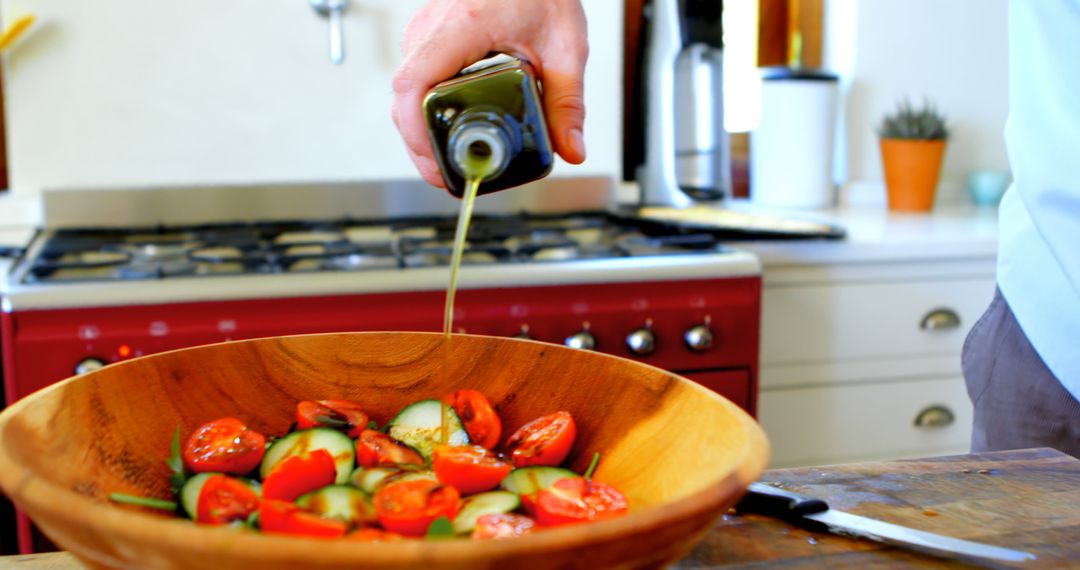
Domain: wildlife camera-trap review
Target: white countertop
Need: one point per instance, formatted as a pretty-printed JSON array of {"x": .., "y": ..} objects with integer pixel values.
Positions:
[
  {"x": 12, "y": 237},
  {"x": 15, "y": 236},
  {"x": 876, "y": 235},
  {"x": 20, "y": 209}
]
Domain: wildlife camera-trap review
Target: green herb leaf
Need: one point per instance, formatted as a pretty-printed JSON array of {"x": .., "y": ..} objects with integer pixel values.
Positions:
[
  {"x": 176, "y": 464},
  {"x": 592, "y": 466},
  {"x": 253, "y": 520},
  {"x": 143, "y": 501},
  {"x": 440, "y": 529},
  {"x": 373, "y": 425}
]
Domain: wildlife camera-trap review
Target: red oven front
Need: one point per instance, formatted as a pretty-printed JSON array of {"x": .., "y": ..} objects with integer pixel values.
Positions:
[{"x": 46, "y": 345}]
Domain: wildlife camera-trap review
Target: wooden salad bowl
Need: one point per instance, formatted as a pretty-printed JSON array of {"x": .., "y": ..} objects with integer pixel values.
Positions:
[{"x": 681, "y": 453}]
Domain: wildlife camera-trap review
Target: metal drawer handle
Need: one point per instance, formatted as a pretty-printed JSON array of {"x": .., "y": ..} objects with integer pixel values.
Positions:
[
  {"x": 940, "y": 320},
  {"x": 935, "y": 417}
]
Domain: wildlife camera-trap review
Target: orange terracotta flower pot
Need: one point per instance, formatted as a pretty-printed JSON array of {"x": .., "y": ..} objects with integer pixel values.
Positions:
[{"x": 912, "y": 168}]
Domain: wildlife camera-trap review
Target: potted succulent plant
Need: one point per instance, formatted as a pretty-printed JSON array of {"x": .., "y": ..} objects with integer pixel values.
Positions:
[{"x": 912, "y": 147}]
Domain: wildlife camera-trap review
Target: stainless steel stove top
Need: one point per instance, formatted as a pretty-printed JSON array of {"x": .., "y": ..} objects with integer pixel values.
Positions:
[{"x": 96, "y": 255}]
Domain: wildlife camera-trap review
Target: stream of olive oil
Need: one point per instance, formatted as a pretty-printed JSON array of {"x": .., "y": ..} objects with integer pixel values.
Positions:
[
  {"x": 477, "y": 167},
  {"x": 476, "y": 170},
  {"x": 462, "y": 232}
]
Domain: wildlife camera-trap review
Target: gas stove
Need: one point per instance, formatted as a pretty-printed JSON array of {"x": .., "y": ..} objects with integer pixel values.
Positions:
[
  {"x": 83, "y": 297},
  {"x": 86, "y": 267},
  {"x": 88, "y": 255}
]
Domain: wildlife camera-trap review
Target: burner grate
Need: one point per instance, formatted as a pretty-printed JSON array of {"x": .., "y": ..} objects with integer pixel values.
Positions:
[{"x": 349, "y": 245}]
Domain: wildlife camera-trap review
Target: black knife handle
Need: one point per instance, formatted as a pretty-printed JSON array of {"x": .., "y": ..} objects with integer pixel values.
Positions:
[{"x": 774, "y": 502}]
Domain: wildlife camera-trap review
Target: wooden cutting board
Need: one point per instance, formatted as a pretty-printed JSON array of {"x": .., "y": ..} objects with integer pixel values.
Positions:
[{"x": 1026, "y": 499}]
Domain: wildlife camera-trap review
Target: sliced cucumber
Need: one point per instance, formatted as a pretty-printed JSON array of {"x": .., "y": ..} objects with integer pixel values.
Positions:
[
  {"x": 421, "y": 426},
  {"x": 189, "y": 494},
  {"x": 370, "y": 479},
  {"x": 340, "y": 447},
  {"x": 482, "y": 504},
  {"x": 342, "y": 502},
  {"x": 411, "y": 476},
  {"x": 528, "y": 480},
  {"x": 367, "y": 479}
]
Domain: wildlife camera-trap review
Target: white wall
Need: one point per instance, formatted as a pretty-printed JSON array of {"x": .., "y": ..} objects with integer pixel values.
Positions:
[
  {"x": 129, "y": 93},
  {"x": 952, "y": 51}
]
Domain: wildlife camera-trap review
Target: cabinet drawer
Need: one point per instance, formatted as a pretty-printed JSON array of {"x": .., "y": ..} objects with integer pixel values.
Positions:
[
  {"x": 813, "y": 426},
  {"x": 869, "y": 320}
]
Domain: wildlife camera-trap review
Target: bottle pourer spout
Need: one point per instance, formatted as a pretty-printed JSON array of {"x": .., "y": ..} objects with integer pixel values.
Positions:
[{"x": 480, "y": 149}]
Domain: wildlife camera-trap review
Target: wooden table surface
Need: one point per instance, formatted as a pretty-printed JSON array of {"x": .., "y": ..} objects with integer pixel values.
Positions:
[{"x": 1026, "y": 499}]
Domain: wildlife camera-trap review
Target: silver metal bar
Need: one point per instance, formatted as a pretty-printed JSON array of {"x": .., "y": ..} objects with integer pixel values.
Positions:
[
  {"x": 337, "y": 43},
  {"x": 333, "y": 10}
]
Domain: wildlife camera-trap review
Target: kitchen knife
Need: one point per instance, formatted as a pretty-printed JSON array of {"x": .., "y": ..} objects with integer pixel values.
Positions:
[{"x": 815, "y": 515}]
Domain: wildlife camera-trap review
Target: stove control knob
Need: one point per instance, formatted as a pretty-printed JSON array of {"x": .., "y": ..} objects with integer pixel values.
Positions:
[
  {"x": 88, "y": 365},
  {"x": 583, "y": 340},
  {"x": 641, "y": 342},
  {"x": 699, "y": 338}
]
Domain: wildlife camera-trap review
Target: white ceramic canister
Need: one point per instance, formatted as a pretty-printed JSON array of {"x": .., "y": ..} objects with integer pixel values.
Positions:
[{"x": 791, "y": 151}]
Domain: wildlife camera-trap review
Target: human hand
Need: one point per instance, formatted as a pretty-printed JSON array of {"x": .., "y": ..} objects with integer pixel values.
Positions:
[{"x": 447, "y": 35}]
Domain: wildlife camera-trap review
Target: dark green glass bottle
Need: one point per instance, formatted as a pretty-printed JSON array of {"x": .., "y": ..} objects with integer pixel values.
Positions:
[{"x": 489, "y": 115}]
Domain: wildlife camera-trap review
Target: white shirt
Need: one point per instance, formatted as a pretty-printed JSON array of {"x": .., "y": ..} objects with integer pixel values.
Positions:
[{"x": 1039, "y": 255}]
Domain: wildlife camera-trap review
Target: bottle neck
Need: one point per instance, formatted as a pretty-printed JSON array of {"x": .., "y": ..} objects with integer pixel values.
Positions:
[{"x": 479, "y": 148}]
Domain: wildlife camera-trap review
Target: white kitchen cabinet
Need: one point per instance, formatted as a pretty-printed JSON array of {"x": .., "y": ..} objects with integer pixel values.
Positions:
[
  {"x": 868, "y": 420},
  {"x": 851, "y": 321},
  {"x": 861, "y": 338}
]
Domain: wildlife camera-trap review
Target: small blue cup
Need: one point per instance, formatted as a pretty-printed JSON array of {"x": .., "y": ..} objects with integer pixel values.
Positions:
[{"x": 988, "y": 186}]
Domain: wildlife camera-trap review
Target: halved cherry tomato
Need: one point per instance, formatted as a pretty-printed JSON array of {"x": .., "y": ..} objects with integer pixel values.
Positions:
[
  {"x": 300, "y": 474},
  {"x": 468, "y": 468},
  {"x": 374, "y": 449},
  {"x": 282, "y": 517},
  {"x": 341, "y": 415},
  {"x": 544, "y": 441},
  {"x": 476, "y": 412},
  {"x": 224, "y": 499},
  {"x": 373, "y": 535},
  {"x": 528, "y": 503},
  {"x": 502, "y": 525},
  {"x": 225, "y": 445},
  {"x": 576, "y": 499},
  {"x": 409, "y": 507}
]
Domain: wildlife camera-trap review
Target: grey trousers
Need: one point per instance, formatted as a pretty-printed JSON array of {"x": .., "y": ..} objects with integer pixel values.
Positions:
[{"x": 1018, "y": 401}]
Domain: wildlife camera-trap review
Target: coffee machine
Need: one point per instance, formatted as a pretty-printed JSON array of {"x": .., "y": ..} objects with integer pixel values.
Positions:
[{"x": 679, "y": 152}]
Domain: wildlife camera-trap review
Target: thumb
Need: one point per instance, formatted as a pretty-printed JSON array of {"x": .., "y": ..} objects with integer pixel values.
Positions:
[{"x": 564, "y": 101}]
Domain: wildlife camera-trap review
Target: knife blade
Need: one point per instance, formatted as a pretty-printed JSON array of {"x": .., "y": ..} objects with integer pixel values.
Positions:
[{"x": 815, "y": 515}]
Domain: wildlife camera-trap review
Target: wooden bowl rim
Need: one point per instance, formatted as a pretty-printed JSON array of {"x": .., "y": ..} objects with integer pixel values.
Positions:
[{"x": 132, "y": 525}]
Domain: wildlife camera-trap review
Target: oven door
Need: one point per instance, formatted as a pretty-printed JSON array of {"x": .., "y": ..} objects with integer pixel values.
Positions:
[
  {"x": 8, "y": 539},
  {"x": 735, "y": 384}
]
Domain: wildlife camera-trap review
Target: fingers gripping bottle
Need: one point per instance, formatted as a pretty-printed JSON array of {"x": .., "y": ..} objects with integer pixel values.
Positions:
[{"x": 488, "y": 123}]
